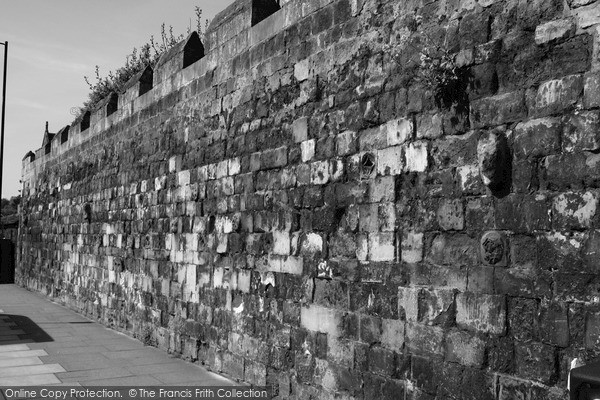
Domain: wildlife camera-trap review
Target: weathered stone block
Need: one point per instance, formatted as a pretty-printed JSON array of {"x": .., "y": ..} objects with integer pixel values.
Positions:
[
  {"x": 591, "y": 91},
  {"x": 372, "y": 139},
  {"x": 398, "y": 131},
  {"x": 582, "y": 132},
  {"x": 300, "y": 129},
  {"x": 390, "y": 161},
  {"x": 408, "y": 303},
  {"x": 319, "y": 172},
  {"x": 554, "y": 324},
  {"x": 574, "y": 210},
  {"x": 424, "y": 340},
  {"x": 381, "y": 189},
  {"x": 362, "y": 247},
  {"x": 521, "y": 213},
  {"x": 273, "y": 158},
  {"x": 392, "y": 335},
  {"x": 481, "y": 280},
  {"x": 175, "y": 163},
  {"x": 465, "y": 349},
  {"x": 416, "y": 155},
  {"x": 481, "y": 312},
  {"x": 382, "y": 246},
  {"x": 522, "y": 318},
  {"x": 513, "y": 388},
  {"x": 560, "y": 252},
  {"x": 557, "y": 95},
  {"x": 346, "y": 143},
  {"x": 592, "y": 330},
  {"x": 368, "y": 217},
  {"x": 474, "y": 29},
  {"x": 456, "y": 249},
  {"x": 484, "y": 81},
  {"x": 381, "y": 361},
  {"x": 554, "y": 30},
  {"x": 320, "y": 319},
  {"x": 411, "y": 247},
  {"x": 325, "y": 147},
  {"x": 450, "y": 215},
  {"x": 370, "y": 329},
  {"x": 292, "y": 265},
  {"x": 386, "y": 217},
  {"x": 537, "y": 138},
  {"x": 587, "y": 15},
  {"x": 233, "y": 365},
  {"x": 535, "y": 12},
  {"x": 535, "y": 361},
  {"x": 255, "y": 373},
  {"x": 436, "y": 307},
  {"x": 308, "y": 150},
  {"x": 281, "y": 242},
  {"x": 302, "y": 70},
  {"x": 469, "y": 180},
  {"x": 425, "y": 375},
  {"x": 497, "y": 110},
  {"x": 333, "y": 294},
  {"x": 430, "y": 126},
  {"x": 566, "y": 171},
  {"x": 455, "y": 150}
]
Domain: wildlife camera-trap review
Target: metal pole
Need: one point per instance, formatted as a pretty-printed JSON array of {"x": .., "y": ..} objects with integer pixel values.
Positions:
[{"x": 2, "y": 126}]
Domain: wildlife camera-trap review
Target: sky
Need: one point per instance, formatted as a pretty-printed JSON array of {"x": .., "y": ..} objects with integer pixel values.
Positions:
[{"x": 52, "y": 45}]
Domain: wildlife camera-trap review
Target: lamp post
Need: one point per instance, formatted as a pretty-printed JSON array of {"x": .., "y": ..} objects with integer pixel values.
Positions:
[{"x": 5, "y": 44}]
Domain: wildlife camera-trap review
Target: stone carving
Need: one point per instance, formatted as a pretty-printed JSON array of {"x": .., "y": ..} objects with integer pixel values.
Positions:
[{"x": 493, "y": 248}]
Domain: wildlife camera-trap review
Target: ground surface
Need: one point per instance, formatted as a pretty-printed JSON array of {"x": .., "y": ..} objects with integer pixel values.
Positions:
[{"x": 44, "y": 343}]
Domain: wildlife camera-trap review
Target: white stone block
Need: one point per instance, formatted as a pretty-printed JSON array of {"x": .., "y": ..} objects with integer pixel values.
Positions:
[
  {"x": 308, "y": 150},
  {"x": 320, "y": 319},
  {"x": 281, "y": 242},
  {"x": 389, "y": 161},
  {"x": 554, "y": 30},
  {"x": 416, "y": 157},
  {"x": 412, "y": 247},
  {"x": 302, "y": 70},
  {"x": 381, "y": 246},
  {"x": 319, "y": 172}
]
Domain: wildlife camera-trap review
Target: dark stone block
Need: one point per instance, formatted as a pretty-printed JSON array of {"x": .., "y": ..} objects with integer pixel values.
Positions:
[
  {"x": 322, "y": 20},
  {"x": 564, "y": 171},
  {"x": 381, "y": 361},
  {"x": 425, "y": 374},
  {"x": 520, "y": 213},
  {"x": 333, "y": 294},
  {"x": 522, "y": 318},
  {"x": 501, "y": 354},
  {"x": 536, "y": 361},
  {"x": 474, "y": 29},
  {"x": 370, "y": 329}
]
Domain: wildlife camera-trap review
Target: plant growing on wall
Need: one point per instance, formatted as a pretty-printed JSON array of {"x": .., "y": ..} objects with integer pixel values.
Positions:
[
  {"x": 148, "y": 54},
  {"x": 436, "y": 68}
]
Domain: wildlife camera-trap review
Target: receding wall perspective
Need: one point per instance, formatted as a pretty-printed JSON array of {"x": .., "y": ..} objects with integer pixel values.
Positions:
[{"x": 349, "y": 199}]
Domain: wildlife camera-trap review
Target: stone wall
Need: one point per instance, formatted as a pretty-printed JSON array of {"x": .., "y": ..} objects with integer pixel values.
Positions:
[{"x": 349, "y": 199}]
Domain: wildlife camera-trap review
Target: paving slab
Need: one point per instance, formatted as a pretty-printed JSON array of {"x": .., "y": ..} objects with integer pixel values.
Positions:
[
  {"x": 29, "y": 370},
  {"x": 13, "y": 347},
  {"x": 29, "y": 380},
  {"x": 52, "y": 345},
  {"x": 22, "y": 353},
  {"x": 17, "y": 362}
]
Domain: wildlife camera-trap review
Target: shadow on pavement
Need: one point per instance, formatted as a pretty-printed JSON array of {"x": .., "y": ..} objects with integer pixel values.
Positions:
[{"x": 15, "y": 329}]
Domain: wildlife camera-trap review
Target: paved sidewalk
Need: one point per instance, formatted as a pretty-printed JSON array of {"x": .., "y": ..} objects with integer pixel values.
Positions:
[{"x": 43, "y": 343}]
